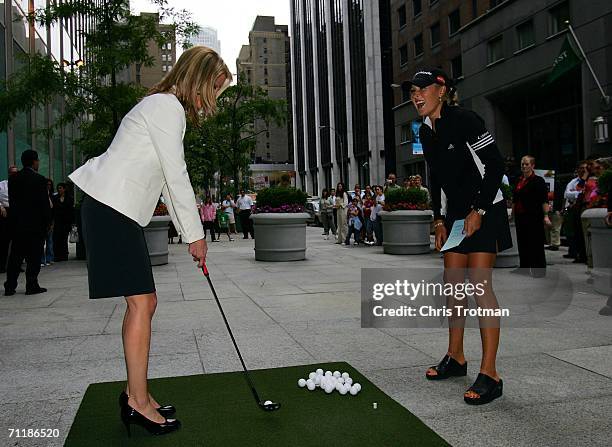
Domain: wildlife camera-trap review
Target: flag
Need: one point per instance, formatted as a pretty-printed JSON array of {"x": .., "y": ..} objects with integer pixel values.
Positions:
[{"x": 565, "y": 61}]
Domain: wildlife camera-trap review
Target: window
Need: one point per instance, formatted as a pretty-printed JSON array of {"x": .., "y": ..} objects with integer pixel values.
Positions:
[
  {"x": 405, "y": 134},
  {"x": 495, "y": 49},
  {"x": 265, "y": 40},
  {"x": 267, "y": 145},
  {"x": 268, "y": 155},
  {"x": 456, "y": 67},
  {"x": 525, "y": 35},
  {"x": 266, "y": 81},
  {"x": 163, "y": 58},
  {"x": 164, "y": 68},
  {"x": 265, "y": 60},
  {"x": 267, "y": 134},
  {"x": 403, "y": 55},
  {"x": 418, "y": 45},
  {"x": 417, "y": 8},
  {"x": 405, "y": 91},
  {"x": 454, "y": 22},
  {"x": 266, "y": 71},
  {"x": 435, "y": 34},
  {"x": 401, "y": 15},
  {"x": 265, "y": 50},
  {"x": 169, "y": 46},
  {"x": 558, "y": 18},
  {"x": 169, "y": 67}
]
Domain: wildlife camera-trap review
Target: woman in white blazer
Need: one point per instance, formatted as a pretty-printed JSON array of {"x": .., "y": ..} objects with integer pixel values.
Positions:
[{"x": 122, "y": 187}]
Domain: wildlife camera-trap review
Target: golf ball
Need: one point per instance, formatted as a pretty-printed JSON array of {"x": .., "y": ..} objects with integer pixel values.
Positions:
[
  {"x": 312, "y": 375},
  {"x": 268, "y": 402},
  {"x": 358, "y": 386},
  {"x": 310, "y": 385},
  {"x": 343, "y": 390},
  {"x": 301, "y": 383},
  {"x": 319, "y": 372},
  {"x": 339, "y": 386},
  {"x": 345, "y": 375},
  {"x": 328, "y": 373},
  {"x": 354, "y": 390},
  {"x": 341, "y": 380},
  {"x": 347, "y": 388},
  {"x": 348, "y": 381},
  {"x": 317, "y": 380},
  {"x": 329, "y": 389},
  {"x": 337, "y": 374}
]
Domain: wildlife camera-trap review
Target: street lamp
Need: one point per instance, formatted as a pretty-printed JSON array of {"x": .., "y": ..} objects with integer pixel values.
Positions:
[
  {"x": 601, "y": 129},
  {"x": 339, "y": 136},
  {"x": 78, "y": 63}
]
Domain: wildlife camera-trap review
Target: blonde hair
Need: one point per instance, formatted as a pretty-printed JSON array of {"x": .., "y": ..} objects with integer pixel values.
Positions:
[
  {"x": 194, "y": 75},
  {"x": 450, "y": 96}
]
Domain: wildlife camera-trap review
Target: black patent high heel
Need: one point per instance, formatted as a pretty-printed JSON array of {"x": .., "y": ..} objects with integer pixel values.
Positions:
[
  {"x": 165, "y": 410},
  {"x": 130, "y": 416}
]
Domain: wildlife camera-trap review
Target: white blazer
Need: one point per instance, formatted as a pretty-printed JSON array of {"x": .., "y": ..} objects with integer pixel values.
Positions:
[{"x": 146, "y": 159}]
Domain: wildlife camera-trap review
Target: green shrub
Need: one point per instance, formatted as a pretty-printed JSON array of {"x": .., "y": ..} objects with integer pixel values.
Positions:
[
  {"x": 604, "y": 182},
  {"x": 281, "y": 200},
  {"x": 405, "y": 199}
]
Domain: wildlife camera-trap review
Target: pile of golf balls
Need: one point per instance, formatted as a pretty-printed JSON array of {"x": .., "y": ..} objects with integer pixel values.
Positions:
[{"x": 330, "y": 381}]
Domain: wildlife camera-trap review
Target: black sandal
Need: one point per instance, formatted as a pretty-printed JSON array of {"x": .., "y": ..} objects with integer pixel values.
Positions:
[
  {"x": 487, "y": 389},
  {"x": 448, "y": 367}
]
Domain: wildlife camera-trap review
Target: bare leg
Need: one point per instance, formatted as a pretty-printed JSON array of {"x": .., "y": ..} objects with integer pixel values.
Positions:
[
  {"x": 454, "y": 272},
  {"x": 136, "y": 343},
  {"x": 480, "y": 270},
  {"x": 127, "y": 388}
]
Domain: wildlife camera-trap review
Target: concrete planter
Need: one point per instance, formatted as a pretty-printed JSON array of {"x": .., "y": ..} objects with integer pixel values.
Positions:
[
  {"x": 406, "y": 232},
  {"x": 510, "y": 257},
  {"x": 156, "y": 235},
  {"x": 601, "y": 247},
  {"x": 280, "y": 237}
]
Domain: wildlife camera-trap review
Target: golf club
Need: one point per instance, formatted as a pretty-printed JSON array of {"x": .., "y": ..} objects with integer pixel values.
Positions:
[{"x": 267, "y": 405}]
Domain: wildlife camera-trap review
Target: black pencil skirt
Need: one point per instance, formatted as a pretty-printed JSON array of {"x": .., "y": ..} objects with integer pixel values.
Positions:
[
  {"x": 118, "y": 261},
  {"x": 492, "y": 237}
]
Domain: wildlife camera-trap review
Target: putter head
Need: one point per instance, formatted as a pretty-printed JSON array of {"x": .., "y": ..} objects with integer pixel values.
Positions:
[{"x": 269, "y": 405}]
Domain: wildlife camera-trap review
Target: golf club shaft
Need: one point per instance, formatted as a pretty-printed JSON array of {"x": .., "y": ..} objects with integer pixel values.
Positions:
[{"x": 246, "y": 371}]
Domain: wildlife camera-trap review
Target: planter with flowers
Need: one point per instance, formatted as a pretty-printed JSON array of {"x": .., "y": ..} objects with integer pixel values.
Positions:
[
  {"x": 156, "y": 235},
  {"x": 601, "y": 235},
  {"x": 279, "y": 222},
  {"x": 406, "y": 221}
]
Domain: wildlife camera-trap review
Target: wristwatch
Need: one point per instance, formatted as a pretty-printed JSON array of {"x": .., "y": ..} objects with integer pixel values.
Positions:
[{"x": 480, "y": 211}]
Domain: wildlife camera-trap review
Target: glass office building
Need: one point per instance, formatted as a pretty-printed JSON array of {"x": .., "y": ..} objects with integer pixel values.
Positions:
[{"x": 62, "y": 41}]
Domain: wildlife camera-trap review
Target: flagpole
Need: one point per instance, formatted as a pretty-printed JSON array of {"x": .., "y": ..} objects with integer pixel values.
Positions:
[{"x": 586, "y": 59}]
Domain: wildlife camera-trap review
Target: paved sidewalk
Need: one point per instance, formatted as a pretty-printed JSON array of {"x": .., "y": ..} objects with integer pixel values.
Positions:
[{"x": 558, "y": 379}]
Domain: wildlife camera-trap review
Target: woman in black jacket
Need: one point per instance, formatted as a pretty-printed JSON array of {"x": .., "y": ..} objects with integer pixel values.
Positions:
[
  {"x": 466, "y": 166},
  {"x": 63, "y": 211},
  {"x": 531, "y": 216}
]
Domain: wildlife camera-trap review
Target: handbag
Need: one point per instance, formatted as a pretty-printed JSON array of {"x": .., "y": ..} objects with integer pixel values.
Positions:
[{"x": 73, "y": 237}]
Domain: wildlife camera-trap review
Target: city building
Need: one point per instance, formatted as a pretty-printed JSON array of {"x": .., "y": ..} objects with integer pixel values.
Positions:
[
  {"x": 265, "y": 63},
  {"x": 207, "y": 36},
  {"x": 508, "y": 55},
  {"x": 164, "y": 57},
  {"x": 341, "y": 87},
  {"x": 501, "y": 53},
  {"x": 64, "y": 42}
]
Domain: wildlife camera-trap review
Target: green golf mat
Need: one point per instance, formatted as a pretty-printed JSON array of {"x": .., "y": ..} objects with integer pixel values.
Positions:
[{"x": 219, "y": 410}]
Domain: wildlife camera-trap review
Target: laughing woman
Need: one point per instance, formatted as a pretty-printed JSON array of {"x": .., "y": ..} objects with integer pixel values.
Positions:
[
  {"x": 466, "y": 165},
  {"x": 122, "y": 187}
]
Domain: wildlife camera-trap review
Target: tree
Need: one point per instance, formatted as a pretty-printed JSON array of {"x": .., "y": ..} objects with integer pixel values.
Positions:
[
  {"x": 224, "y": 142},
  {"x": 93, "y": 91}
]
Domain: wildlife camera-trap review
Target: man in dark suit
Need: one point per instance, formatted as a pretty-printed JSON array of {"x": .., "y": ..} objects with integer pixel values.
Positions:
[{"x": 29, "y": 218}]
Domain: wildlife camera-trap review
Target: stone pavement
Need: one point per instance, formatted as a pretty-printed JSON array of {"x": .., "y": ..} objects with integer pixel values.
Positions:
[{"x": 558, "y": 378}]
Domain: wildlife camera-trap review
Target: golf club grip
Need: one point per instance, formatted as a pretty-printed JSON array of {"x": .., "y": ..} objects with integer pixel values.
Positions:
[{"x": 229, "y": 330}]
